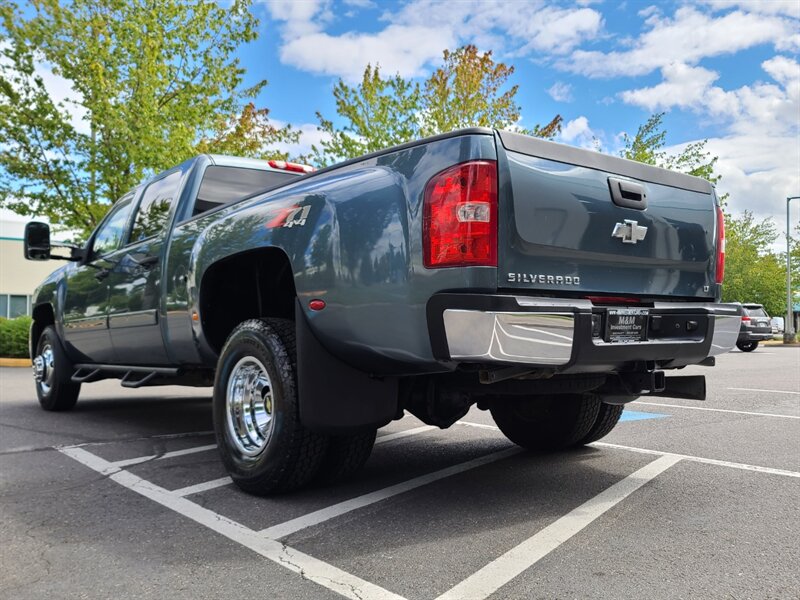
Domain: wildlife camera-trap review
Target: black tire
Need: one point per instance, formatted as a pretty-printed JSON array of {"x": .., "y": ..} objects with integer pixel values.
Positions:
[
  {"x": 546, "y": 423},
  {"x": 747, "y": 346},
  {"x": 289, "y": 455},
  {"x": 346, "y": 455},
  {"x": 607, "y": 418},
  {"x": 56, "y": 391}
]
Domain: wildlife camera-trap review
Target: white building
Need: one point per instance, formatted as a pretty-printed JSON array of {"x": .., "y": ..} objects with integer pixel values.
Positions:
[{"x": 18, "y": 277}]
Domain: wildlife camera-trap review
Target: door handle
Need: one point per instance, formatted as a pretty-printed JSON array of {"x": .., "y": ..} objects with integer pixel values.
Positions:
[
  {"x": 628, "y": 194},
  {"x": 102, "y": 274},
  {"x": 145, "y": 261}
]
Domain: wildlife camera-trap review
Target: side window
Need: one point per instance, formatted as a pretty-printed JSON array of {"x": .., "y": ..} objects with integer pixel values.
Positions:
[
  {"x": 154, "y": 207},
  {"x": 111, "y": 232},
  {"x": 223, "y": 185}
]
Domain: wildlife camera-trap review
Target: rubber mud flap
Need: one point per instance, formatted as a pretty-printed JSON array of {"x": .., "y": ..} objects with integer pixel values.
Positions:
[{"x": 336, "y": 398}]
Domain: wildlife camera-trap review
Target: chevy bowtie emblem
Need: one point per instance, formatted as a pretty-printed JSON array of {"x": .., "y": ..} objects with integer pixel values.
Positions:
[{"x": 629, "y": 232}]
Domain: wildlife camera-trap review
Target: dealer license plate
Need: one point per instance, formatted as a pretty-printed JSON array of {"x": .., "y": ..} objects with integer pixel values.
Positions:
[{"x": 626, "y": 324}]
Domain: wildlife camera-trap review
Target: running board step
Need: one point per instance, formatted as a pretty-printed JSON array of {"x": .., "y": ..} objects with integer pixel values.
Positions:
[{"x": 132, "y": 376}]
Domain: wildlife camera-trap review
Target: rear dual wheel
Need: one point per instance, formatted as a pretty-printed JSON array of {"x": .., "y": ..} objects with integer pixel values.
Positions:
[
  {"x": 263, "y": 444},
  {"x": 554, "y": 422}
]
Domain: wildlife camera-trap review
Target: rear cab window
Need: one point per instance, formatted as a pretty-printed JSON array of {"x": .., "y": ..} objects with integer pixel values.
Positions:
[{"x": 224, "y": 185}]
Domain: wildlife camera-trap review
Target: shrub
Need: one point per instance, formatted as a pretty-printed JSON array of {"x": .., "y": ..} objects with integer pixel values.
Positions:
[{"x": 14, "y": 337}]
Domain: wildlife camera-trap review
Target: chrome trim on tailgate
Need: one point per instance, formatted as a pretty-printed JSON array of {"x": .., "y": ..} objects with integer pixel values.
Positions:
[{"x": 528, "y": 338}]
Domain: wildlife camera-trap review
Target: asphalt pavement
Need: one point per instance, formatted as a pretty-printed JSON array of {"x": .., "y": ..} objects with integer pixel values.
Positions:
[{"x": 125, "y": 497}]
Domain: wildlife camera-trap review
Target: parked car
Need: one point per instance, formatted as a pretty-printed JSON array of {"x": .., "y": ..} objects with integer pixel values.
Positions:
[
  {"x": 777, "y": 324},
  {"x": 547, "y": 284},
  {"x": 756, "y": 327}
]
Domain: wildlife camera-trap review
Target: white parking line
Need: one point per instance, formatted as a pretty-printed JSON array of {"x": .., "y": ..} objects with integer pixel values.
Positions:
[
  {"x": 142, "y": 459},
  {"x": 500, "y": 571},
  {"x": 307, "y": 566},
  {"x": 401, "y": 434},
  {"x": 478, "y": 425},
  {"x": 159, "y": 436},
  {"x": 325, "y": 514},
  {"x": 724, "y": 410},
  {"x": 689, "y": 457},
  {"x": 762, "y": 390},
  {"x": 201, "y": 487},
  {"x": 700, "y": 459}
]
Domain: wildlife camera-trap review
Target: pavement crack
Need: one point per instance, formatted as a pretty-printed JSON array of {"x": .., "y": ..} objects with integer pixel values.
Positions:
[{"x": 285, "y": 557}]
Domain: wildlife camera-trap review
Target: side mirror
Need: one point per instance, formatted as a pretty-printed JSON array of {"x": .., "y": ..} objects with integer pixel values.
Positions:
[{"x": 37, "y": 241}]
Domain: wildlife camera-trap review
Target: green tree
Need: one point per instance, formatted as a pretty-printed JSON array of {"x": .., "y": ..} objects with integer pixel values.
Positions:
[
  {"x": 378, "y": 113},
  {"x": 469, "y": 89},
  {"x": 752, "y": 272},
  {"x": 647, "y": 146},
  {"x": 151, "y": 83}
]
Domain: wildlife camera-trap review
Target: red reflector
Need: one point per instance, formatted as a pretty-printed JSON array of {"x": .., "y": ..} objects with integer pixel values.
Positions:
[
  {"x": 720, "y": 267},
  {"x": 316, "y": 304},
  {"x": 459, "y": 224},
  {"x": 290, "y": 166},
  {"x": 613, "y": 300}
]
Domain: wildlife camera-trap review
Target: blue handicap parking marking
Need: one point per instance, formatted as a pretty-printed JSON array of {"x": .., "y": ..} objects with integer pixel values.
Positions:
[{"x": 634, "y": 415}]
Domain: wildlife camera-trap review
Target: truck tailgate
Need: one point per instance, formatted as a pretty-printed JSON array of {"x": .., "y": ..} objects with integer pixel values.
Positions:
[{"x": 573, "y": 220}]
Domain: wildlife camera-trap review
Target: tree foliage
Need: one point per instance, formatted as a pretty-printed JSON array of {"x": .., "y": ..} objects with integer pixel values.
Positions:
[
  {"x": 647, "y": 146},
  {"x": 469, "y": 89},
  {"x": 150, "y": 85},
  {"x": 752, "y": 272},
  {"x": 378, "y": 113}
]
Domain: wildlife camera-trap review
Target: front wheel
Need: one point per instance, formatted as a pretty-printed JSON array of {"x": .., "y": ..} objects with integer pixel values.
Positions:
[
  {"x": 747, "y": 346},
  {"x": 547, "y": 422},
  {"x": 263, "y": 444},
  {"x": 52, "y": 372}
]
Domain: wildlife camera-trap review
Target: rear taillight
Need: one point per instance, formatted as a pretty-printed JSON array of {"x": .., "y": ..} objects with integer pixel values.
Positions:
[
  {"x": 745, "y": 318},
  {"x": 720, "y": 270},
  {"x": 459, "y": 224}
]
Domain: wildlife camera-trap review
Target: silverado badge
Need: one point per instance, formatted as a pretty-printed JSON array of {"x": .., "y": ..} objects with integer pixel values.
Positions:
[{"x": 629, "y": 232}]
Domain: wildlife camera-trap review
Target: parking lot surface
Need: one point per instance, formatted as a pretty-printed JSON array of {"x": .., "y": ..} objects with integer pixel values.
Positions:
[{"x": 125, "y": 497}]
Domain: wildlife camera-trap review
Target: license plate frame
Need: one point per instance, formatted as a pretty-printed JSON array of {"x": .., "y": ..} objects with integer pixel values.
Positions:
[{"x": 625, "y": 325}]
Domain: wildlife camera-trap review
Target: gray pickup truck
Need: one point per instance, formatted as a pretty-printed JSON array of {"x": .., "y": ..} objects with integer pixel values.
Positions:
[{"x": 547, "y": 284}]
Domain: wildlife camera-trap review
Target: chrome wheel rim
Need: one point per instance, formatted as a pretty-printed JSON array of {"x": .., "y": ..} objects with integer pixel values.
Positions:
[
  {"x": 249, "y": 406},
  {"x": 44, "y": 368}
]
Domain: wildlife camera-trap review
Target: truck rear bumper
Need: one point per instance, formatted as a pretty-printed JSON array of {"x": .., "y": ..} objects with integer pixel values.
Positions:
[{"x": 568, "y": 334}]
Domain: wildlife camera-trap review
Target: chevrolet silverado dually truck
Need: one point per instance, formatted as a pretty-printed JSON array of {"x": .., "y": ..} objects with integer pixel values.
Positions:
[{"x": 547, "y": 284}]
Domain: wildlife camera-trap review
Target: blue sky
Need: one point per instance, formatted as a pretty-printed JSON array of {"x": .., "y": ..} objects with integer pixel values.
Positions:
[{"x": 723, "y": 70}]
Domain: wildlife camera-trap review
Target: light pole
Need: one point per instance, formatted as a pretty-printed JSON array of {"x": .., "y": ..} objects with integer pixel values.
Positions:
[{"x": 788, "y": 326}]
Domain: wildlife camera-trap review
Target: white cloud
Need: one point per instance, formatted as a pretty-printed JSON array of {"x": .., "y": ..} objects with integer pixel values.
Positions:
[
  {"x": 578, "y": 133},
  {"x": 790, "y": 8},
  {"x": 560, "y": 92},
  {"x": 398, "y": 49},
  {"x": 759, "y": 171},
  {"x": 683, "y": 86},
  {"x": 759, "y": 141},
  {"x": 310, "y": 135},
  {"x": 415, "y": 36},
  {"x": 688, "y": 37},
  {"x": 762, "y": 107}
]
